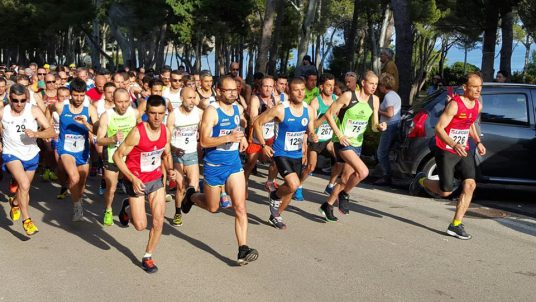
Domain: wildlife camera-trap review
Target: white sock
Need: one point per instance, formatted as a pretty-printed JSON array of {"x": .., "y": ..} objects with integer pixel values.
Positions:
[
  {"x": 147, "y": 255},
  {"x": 77, "y": 204}
]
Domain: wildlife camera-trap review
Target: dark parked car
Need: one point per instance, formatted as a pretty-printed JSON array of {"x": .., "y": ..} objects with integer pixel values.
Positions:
[{"x": 508, "y": 131}]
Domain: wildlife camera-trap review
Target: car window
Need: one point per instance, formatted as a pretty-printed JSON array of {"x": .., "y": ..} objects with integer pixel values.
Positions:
[{"x": 505, "y": 109}]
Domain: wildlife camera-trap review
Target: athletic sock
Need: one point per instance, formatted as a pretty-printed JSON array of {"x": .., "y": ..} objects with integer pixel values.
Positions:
[
  {"x": 456, "y": 222},
  {"x": 147, "y": 255},
  {"x": 421, "y": 181},
  {"x": 178, "y": 211},
  {"x": 273, "y": 195},
  {"x": 77, "y": 203}
]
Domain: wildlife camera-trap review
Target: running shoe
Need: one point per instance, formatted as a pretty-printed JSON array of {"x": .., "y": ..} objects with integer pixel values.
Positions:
[
  {"x": 29, "y": 227},
  {"x": 225, "y": 201},
  {"x": 108, "y": 218},
  {"x": 415, "y": 186},
  {"x": 123, "y": 215},
  {"x": 63, "y": 193},
  {"x": 46, "y": 176},
  {"x": 277, "y": 222},
  {"x": 327, "y": 212},
  {"x": 187, "y": 202},
  {"x": 78, "y": 212},
  {"x": 13, "y": 186},
  {"x": 298, "y": 195},
  {"x": 274, "y": 204},
  {"x": 270, "y": 186},
  {"x": 14, "y": 213},
  {"x": 147, "y": 263},
  {"x": 177, "y": 220},
  {"x": 329, "y": 188},
  {"x": 52, "y": 176},
  {"x": 344, "y": 203},
  {"x": 169, "y": 198},
  {"x": 246, "y": 255},
  {"x": 458, "y": 232}
]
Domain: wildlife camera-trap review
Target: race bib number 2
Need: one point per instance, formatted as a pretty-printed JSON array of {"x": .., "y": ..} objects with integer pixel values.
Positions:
[
  {"x": 459, "y": 136},
  {"x": 150, "y": 161},
  {"x": 294, "y": 141}
]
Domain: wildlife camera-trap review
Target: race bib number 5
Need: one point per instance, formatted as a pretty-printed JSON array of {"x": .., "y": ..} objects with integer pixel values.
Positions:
[
  {"x": 459, "y": 136},
  {"x": 183, "y": 137},
  {"x": 150, "y": 161},
  {"x": 74, "y": 143},
  {"x": 294, "y": 141},
  {"x": 354, "y": 128}
]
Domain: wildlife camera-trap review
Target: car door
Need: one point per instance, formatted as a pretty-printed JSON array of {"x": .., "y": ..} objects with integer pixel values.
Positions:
[{"x": 507, "y": 125}]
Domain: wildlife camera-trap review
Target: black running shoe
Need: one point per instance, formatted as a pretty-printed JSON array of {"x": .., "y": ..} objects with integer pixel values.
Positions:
[
  {"x": 123, "y": 215},
  {"x": 187, "y": 202},
  {"x": 277, "y": 222},
  {"x": 458, "y": 232},
  {"x": 415, "y": 186},
  {"x": 344, "y": 203},
  {"x": 148, "y": 265},
  {"x": 327, "y": 211},
  {"x": 246, "y": 255}
]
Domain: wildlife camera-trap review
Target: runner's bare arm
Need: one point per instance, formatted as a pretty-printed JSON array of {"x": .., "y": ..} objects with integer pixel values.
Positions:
[
  {"x": 333, "y": 110},
  {"x": 277, "y": 112},
  {"x": 133, "y": 139},
  {"x": 39, "y": 101},
  {"x": 253, "y": 109},
  {"x": 311, "y": 128},
  {"x": 443, "y": 122},
  {"x": 102, "y": 139},
  {"x": 41, "y": 119},
  {"x": 376, "y": 125}
]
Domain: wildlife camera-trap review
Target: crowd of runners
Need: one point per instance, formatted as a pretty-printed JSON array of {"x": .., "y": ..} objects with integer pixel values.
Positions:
[{"x": 148, "y": 134}]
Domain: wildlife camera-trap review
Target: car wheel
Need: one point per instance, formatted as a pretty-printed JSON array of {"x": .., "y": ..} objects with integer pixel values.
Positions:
[{"x": 430, "y": 169}]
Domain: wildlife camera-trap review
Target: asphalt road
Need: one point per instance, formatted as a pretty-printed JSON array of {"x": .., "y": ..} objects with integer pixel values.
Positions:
[{"x": 391, "y": 247}]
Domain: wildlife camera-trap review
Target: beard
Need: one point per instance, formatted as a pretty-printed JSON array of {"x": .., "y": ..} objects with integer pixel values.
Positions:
[{"x": 229, "y": 101}]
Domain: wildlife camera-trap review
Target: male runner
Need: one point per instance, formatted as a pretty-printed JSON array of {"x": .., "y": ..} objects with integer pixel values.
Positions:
[
  {"x": 20, "y": 153},
  {"x": 290, "y": 146},
  {"x": 144, "y": 148},
  {"x": 183, "y": 123},
  {"x": 76, "y": 119},
  {"x": 206, "y": 93},
  {"x": 173, "y": 93},
  {"x": 222, "y": 138},
  {"x": 456, "y": 124},
  {"x": 114, "y": 125},
  {"x": 353, "y": 111}
]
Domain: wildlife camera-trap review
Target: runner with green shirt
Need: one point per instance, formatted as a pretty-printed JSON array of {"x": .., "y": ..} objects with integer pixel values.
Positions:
[
  {"x": 353, "y": 111},
  {"x": 311, "y": 91},
  {"x": 114, "y": 125},
  {"x": 324, "y": 146}
]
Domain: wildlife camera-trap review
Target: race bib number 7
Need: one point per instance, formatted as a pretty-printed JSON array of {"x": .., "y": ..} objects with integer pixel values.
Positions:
[
  {"x": 150, "y": 161},
  {"x": 459, "y": 136},
  {"x": 294, "y": 141}
]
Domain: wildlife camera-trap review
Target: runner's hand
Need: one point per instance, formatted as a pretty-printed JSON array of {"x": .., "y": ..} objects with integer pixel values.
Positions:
[
  {"x": 172, "y": 174},
  {"x": 344, "y": 141},
  {"x": 179, "y": 152},
  {"x": 460, "y": 149},
  {"x": 382, "y": 126},
  {"x": 236, "y": 136},
  {"x": 481, "y": 149},
  {"x": 314, "y": 137},
  {"x": 81, "y": 119},
  {"x": 29, "y": 133},
  {"x": 243, "y": 145},
  {"x": 268, "y": 151},
  {"x": 138, "y": 186},
  {"x": 119, "y": 137}
]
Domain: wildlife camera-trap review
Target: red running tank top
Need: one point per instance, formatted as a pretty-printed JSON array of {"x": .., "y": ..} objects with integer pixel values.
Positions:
[
  {"x": 458, "y": 128},
  {"x": 145, "y": 159}
]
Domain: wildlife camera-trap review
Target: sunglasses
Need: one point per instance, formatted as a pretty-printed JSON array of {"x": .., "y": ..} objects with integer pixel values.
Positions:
[
  {"x": 175, "y": 80},
  {"x": 235, "y": 69},
  {"x": 64, "y": 79},
  {"x": 50, "y": 82},
  {"x": 42, "y": 74},
  {"x": 21, "y": 101}
]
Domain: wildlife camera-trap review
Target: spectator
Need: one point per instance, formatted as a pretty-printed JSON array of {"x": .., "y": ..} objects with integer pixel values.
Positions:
[
  {"x": 502, "y": 77},
  {"x": 306, "y": 67},
  {"x": 436, "y": 84},
  {"x": 390, "y": 114},
  {"x": 389, "y": 66}
]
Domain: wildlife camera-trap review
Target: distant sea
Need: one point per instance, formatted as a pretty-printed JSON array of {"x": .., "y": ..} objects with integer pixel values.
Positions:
[{"x": 454, "y": 55}]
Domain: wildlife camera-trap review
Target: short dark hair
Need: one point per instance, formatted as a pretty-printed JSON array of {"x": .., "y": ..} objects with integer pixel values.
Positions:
[
  {"x": 325, "y": 77},
  {"x": 258, "y": 75},
  {"x": 310, "y": 73},
  {"x": 18, "y": 89},
  {"x": 504, "y": 73},
  {"x": 78, "y": 85},
  {"x": 281, "y": 76},
  {"x": 470, "y": 75},
  {"x": 296, "y": 81},
  {"x": 223, "y": 79},
  {"x": 165, "y": 69},
  {"x": 108, "y": 84},
  {"x": 155, "y": 82},
  {"x": 155, "y": 101}
]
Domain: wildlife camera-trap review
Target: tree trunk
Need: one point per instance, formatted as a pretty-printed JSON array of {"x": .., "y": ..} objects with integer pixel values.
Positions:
[
  {"x": 272, "y": 60},
  {"x": 507, "y": 32},
  {"x": 350, "y": 43},
  {"x": 266, "y": 35},
  {"x": 389, "y": 30},
  {"x": 528, "y": 43},
  {"x": 404, "y": 47},
  {"x": 490, "y": 37},
  {"x": 160, "y": 47},
  {"x": 305, "y": 32},
  {"x": 198, "y": 54},
  {"x": 249, "y": 75},
  {"x": 317, "y": 52}
]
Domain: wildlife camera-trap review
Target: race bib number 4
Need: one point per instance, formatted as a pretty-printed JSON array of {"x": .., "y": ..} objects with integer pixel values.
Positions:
[
  {"x": 150, "y": 161},
  {"x": 324, "y": 132},
  {"x": 74, "y": 143},
  {"x": 459, "y": 136},
  {"x": 227, "y": 146},
  {"x": 268, "y": 130},
  {"x": 294, "y": 141},
  {"x": 354, "y": 128}
]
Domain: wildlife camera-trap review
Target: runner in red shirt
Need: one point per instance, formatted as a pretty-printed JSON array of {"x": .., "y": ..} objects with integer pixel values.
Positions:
[
  {"x": 140, "y": 158},
  {"x": 96, "y": 92},
  {"x": 456, "y": 124}
]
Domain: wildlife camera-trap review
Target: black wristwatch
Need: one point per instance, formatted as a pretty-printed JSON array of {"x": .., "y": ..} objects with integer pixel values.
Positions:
[{"x": 263, "y": 145}]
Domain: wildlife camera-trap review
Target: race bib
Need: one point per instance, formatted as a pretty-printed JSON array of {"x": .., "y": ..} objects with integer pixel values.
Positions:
[
  {"x": 227, "y": 146},
  {"x": 150, "y": 161},
  {"x": 294, "y": 141},
  {"x": 459, "y": 136},
  {"x": 184, "y": 137},
  {"x": 268, "y": 131},
  {"x": 74, "y": 143},
  {"x": 354, "y": 128},
  {"x": 324, "y": 132}
]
